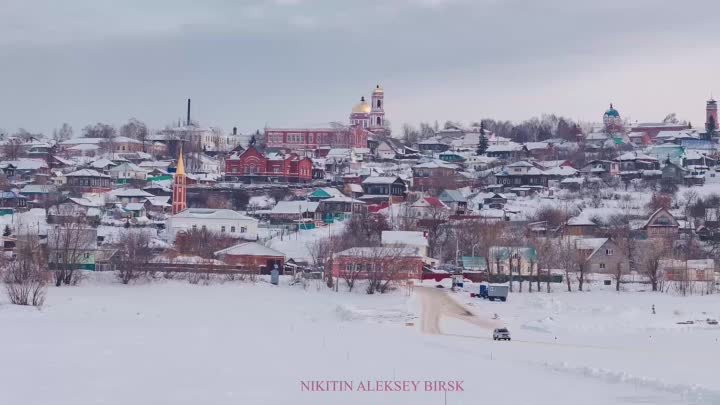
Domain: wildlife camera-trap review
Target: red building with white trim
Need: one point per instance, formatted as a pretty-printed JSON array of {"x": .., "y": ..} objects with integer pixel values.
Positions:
[
  {"x": 365, "y": 118},
  {"x": 253, "y": 166},
  {"x": 305, "y": 140}
]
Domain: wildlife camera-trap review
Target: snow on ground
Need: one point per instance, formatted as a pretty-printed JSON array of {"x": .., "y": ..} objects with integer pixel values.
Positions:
[
  {"x": 296, "y": 245},
  {"x": 245, "y": 343}
]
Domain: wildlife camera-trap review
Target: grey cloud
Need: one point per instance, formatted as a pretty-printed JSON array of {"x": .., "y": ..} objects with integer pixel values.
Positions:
[{"x": 300, "y": 62}]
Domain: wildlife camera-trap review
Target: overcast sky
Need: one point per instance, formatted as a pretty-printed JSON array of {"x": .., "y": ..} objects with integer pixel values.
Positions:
[{"x": 248, "y": 63}]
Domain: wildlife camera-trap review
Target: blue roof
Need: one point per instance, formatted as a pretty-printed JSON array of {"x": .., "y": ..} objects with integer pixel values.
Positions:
[
  {"x": 9, "y": 195},
  {"x": 612, "y": 112}
]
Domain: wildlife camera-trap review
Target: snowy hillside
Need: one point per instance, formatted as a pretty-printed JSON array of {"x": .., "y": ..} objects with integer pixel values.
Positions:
[{"x": 243, "y": 343}]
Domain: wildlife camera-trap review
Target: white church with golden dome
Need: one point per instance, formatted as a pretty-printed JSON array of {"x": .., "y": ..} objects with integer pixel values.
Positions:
[{"x": 370, "y": 116}]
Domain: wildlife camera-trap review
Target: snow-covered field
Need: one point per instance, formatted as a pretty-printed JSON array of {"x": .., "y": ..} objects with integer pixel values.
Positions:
[{"x": 169, "y": 342}]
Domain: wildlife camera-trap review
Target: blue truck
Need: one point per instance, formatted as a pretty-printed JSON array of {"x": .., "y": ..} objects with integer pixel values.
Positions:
[{"x": 493, "y": 292}]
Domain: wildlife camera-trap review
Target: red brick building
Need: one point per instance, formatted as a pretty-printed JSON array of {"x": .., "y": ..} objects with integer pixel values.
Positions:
[
  {"x": 394, "y": 263},
  {"x": 305, "y": 140},
  {"x": 252, "y": 165},
  {"x": 653, "y": 129}
]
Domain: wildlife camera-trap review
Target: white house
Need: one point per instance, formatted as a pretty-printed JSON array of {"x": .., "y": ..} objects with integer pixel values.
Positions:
[
  {"x": 128, "y": 171},
  {"x": 221, "y": 221}
]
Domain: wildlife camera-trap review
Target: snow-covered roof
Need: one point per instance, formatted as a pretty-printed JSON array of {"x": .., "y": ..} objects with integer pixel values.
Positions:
[
  {"x": 410, "y": 238},
  {"x": 210, "y": 213},
  {"x": 379, "y": 252},
  {"x": 129, "y": 192},
  {"x": 102, "y": 162},
  {"x": 343, "y": 198},
  {"x": 511, "y": 147},
  {"x": 294, "y": 207},
  {"x": 38, "y": 189},
  {"x": 28, "y": 164},
  {"x": 435, "y": 164},
  {"x": 355, "y": 188},
  {"x": 84, "y": 146},
  {"x": 83, "y": 141},
  {"x": 580, "y": 221},
  {"x": 134, "y": 206},
  {"x": 159, "y": 201},
  {"x": 249, "y": 249},
  {"x": 590, "y": 244},
  {"x": 629, "y": 156},
  {"x": 520, "y": 163},
  {"x": 563, "y": 171},
  {"x": 380, "y": 180},
  {"x": 87, "y": 173},
  {"x": 84, "y": 202},
  {"x": 127, "y": 167}
]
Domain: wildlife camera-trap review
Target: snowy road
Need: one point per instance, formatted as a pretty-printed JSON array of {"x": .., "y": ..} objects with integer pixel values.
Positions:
[{"x": 437, "y": 304}]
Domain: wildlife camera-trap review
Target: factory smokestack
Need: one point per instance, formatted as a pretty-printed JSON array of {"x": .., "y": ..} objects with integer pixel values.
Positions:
[{"x": 188, "y": 113}]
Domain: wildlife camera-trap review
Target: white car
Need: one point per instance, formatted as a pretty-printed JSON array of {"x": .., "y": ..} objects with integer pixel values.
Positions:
[{"x": 501, "y": 334}]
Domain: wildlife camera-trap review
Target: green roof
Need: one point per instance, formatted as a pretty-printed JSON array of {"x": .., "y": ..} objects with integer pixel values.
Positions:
[
  {"x": 612, "y": 113},
  {"x": 320, "y": 193}
]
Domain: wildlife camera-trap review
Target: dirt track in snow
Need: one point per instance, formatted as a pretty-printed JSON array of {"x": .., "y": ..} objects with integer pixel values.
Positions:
[{"x": 436, "y": 304}]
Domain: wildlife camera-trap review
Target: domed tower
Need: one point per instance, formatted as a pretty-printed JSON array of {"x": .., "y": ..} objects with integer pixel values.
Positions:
[
  {"x": 612, "y": 120},
  {"x": 360, "y": 114},
  {"x": 377, "y": 114}
]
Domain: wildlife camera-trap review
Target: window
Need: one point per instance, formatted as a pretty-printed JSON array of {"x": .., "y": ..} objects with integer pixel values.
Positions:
[
  {"x": 194, "y": 227},
  {"x": 609, "y": 252},
  {"x": 232, "y": 229},
  {"x": 379, "y": 105},
  {"x": 243, "y": 229},
  {"x": 204, "y": 228},
  {"x": 378, "y": 119},
  {"x": 602, "y": 265},
  {"x": 222, "y": 228}
]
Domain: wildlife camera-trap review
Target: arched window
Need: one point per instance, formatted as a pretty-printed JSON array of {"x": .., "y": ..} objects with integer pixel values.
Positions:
[
  {"x": 379, "y": 121},
  {"x": 379, "y": 104}
]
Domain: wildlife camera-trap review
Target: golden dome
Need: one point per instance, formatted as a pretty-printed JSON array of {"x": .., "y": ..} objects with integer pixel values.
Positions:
[
  {"x": 378, "y": 89},
  {"x": 362, "y": 108}
]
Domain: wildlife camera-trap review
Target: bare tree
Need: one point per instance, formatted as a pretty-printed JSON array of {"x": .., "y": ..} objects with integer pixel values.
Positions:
[
  {"x": 135, "y": 129},
  {"x": 621, "y": 234},
  {"x": 99, "y": 130},
  {"x": 648, "y": 257},
  {"x": 134, "y": 255},
  {"x": 387, "y": 266},
  {"x": 63, "y": 133},
  {"x": 70, "y": 246},
  {"x": 545, "y": 259},
  {"x": 201, "y": 242},
  {"x": 352, "y": 271},
  {"x": 567, "y": 258},
  {"x": 26, "y": 277},
  {"x": 12, "y": 148}
]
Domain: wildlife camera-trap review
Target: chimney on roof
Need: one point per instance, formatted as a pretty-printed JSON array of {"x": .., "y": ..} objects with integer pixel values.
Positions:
[
  {"x": 188, "y": 113},
  {"x": 234, "y": 130}
]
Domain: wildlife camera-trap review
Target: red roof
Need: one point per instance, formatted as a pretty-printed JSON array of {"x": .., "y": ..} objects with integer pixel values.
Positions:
[{"x": 434, "y": 202}]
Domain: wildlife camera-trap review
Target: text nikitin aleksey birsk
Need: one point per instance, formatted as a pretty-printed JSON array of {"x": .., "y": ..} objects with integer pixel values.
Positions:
[{"x": 381, "y": 386}]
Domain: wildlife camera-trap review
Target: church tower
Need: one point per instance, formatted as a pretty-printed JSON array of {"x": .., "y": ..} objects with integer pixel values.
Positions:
[
  {"x": 711, "y": 112},
  {"x": 377, "y": 112},
  {"x": 179, "y": 192}
]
